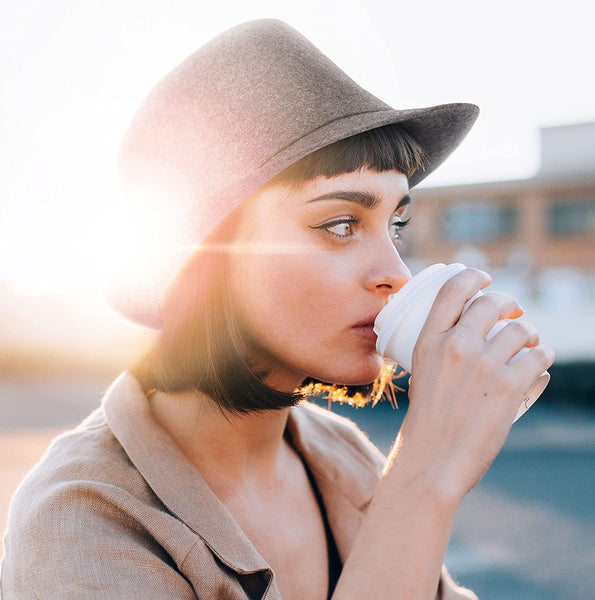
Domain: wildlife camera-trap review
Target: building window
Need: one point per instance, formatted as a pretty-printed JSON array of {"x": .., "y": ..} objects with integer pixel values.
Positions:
[
  {"x": 479, "y": 221},
  {"x": 572, "y": 217}
]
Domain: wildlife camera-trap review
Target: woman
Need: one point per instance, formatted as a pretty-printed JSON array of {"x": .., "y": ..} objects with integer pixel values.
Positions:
[{"x": 280, "y": 189}]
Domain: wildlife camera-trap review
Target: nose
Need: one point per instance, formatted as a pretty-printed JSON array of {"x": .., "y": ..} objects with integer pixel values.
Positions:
[{"x": 386, "y": 272}]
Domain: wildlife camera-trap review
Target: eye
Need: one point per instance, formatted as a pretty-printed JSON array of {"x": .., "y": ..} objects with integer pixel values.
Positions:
[
  {"x": 340, "y": 228},
  {"x": 396, "y": 225}
]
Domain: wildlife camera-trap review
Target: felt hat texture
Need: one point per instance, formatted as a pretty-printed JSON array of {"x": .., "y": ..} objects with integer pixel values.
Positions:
[{"x": 241, "y": 109}]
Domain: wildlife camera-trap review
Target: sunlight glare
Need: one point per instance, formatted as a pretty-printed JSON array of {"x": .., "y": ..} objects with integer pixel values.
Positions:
[{"x": 68, "y": 248}]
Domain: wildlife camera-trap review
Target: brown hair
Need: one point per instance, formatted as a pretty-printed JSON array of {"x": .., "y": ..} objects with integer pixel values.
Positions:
[{"x": 201, "y": 345}]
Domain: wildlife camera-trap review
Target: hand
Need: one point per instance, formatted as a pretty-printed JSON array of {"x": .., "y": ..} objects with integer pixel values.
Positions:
[{"x": 464, "y": 395}]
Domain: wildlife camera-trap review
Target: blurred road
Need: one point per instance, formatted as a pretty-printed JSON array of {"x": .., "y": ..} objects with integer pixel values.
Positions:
[{"x": 526, "y": 532}]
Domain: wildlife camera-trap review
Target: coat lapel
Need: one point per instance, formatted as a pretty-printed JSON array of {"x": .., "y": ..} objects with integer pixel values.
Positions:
[
  {"x": 344, "y": 464},
  {"x": 174, "y": 480}
]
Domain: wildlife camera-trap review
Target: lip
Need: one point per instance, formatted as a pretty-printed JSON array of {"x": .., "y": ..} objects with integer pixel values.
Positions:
[
  {"x": 365, "y": 327},
  {"x": 369, "y": 320},
  {"x": 366, "y": 331}
]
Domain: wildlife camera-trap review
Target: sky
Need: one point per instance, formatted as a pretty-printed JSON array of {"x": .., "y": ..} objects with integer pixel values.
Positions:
[{"x": 73, "y": 72}]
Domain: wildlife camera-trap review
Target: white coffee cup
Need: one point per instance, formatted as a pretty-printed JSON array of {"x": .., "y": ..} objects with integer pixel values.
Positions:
[{"x": 399, "y": 323}]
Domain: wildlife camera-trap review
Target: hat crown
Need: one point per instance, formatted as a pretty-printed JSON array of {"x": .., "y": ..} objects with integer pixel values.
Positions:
[{"x": 232, "y": 106}]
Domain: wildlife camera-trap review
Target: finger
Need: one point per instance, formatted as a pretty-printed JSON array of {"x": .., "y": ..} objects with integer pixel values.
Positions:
[
  {"x": 513, "y": 337},
  {"x": 533, "y": 363},
  {"x": 489, "y": 308},
  {"x": 452, "y": 297}
]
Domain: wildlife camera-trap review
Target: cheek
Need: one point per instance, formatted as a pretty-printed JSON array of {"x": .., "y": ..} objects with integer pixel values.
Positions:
[{"x": 296, "y": 288}]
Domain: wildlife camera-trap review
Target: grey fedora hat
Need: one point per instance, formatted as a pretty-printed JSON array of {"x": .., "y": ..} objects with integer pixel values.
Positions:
[{"x": 234, "y": 114}]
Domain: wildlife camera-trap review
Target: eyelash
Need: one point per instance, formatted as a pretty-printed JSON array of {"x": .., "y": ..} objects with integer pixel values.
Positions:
[
  {"x": 397, "y": 224},
  {"x": 344, "y": 220}
]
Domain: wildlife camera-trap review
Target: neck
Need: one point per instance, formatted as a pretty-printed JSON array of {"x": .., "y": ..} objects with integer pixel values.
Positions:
[{"x": 229, "y": 450}]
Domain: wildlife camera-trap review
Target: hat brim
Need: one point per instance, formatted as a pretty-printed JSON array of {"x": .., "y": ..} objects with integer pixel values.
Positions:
[{"x": 437, "y": 129}]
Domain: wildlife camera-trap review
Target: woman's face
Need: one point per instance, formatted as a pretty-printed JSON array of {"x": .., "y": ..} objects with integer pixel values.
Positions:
[{"x": 314, "y": 267}]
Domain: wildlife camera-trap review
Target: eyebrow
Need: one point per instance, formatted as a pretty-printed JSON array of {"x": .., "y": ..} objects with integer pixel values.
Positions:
[{"x": 366, "y": 199}]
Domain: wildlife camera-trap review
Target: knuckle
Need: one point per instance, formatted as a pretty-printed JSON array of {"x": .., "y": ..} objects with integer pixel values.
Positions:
[
  {"x": 545, "y": 354},
  {"x": 454, "y": 286},
  {"x": 532, "y": 333},
  {"x": 518, "y": 328},
  {"x": 476, "y": 274},
  {"x": 524, "y": 330},
  {"x": 498, "y": 299},
  {"x": 464, "y": 281},
  {"x": 457, "y": 345}
]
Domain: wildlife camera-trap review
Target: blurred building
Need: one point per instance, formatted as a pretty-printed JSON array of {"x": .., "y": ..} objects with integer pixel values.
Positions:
[
  {"x": 543, "y": 226},
  {"x": 536, "y": 236}
]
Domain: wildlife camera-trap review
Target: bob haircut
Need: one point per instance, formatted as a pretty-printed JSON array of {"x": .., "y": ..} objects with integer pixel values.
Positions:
[{"x": 201, "y": 345}]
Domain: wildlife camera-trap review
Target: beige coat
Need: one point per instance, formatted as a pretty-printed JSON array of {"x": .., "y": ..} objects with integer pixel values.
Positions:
[{"x": 115, "y": 511}]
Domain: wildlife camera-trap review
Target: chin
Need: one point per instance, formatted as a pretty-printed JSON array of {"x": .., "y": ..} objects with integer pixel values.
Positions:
[{"x": 362, "y": 372}]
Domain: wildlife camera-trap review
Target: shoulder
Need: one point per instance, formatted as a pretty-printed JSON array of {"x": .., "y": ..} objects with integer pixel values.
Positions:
[
  {"x": 83, "y": 472},
  {"x": 85, "y": 456},
  {"x": 80, "y": 508}
]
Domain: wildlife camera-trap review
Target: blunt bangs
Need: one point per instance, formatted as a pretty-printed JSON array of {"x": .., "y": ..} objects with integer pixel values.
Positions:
[{"x": 383, "y": 149}]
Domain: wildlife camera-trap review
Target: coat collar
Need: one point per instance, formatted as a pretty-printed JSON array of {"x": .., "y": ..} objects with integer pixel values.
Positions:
[
  {"x": 345, "y": 466},
  {"x": 346, "y": 486}
]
